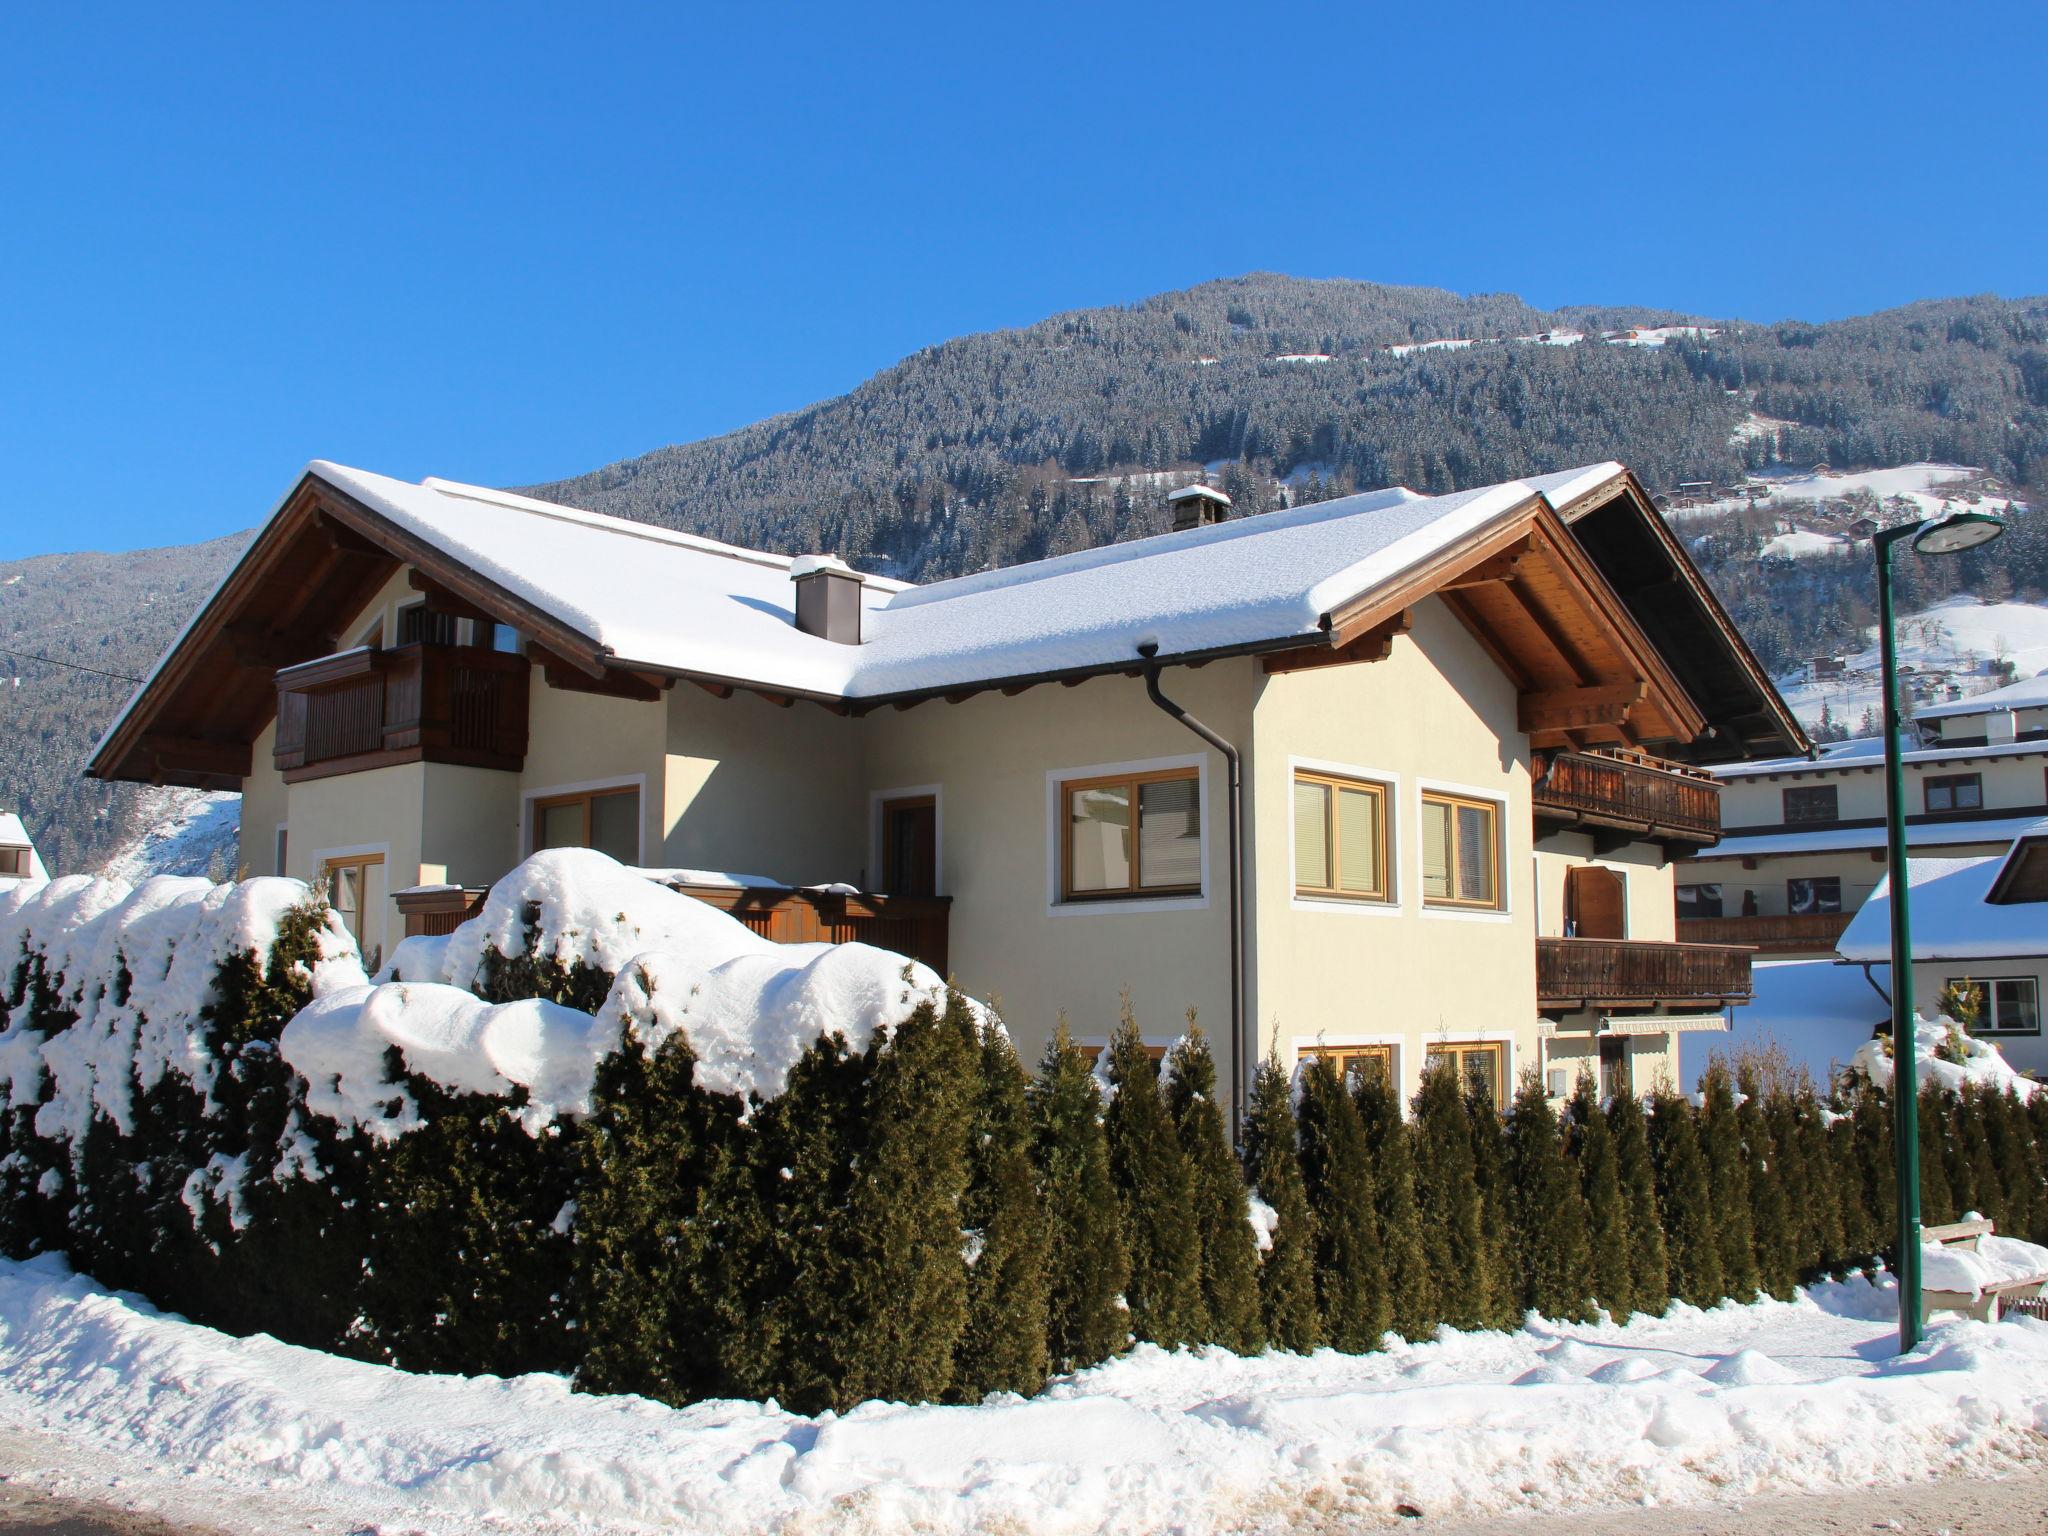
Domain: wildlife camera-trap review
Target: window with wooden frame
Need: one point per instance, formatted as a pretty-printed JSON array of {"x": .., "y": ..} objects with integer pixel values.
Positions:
[
  {"x": 14, "y": 861},
  {"x": 1356, "y": 1063},
  {"x": 1954, "y": 792},
  {"x": 351, "y": 884},
  {"x": 607, "y": 820},
  {"x": 1483, "y": 1065},
  {"x": 910, "y": 845},
  {"x": 1131, "y": 834},
  {"x": 1813, "y": 802},
  {"x": 1093, "y": 1053},
  {"x": 1340, "y": 838},
  {"x": 2006, "y": 1005},
  {"x": 1460, "y": 852}
]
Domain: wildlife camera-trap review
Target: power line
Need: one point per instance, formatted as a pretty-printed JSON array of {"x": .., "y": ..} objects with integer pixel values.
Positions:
[{"x": 51, "y": 661}]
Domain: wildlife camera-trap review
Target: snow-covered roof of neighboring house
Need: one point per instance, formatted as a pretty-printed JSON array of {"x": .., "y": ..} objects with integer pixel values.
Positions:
[
  {"x": 1868, "y": 752},
  {"x": 1952, "y": 917},
  {"x": 1938, "y": 834},
  {"x": 2027, "y": 693},
  {"x": 14, "y": 835}
]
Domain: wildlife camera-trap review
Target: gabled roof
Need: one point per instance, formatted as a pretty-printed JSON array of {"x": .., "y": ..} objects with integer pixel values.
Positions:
[
  {"x": 1954, "y": 917},
  {"x": 2027, "y": 693},
  {"x": 14, "y": 835},
  {"x": 609, "y": 596}
]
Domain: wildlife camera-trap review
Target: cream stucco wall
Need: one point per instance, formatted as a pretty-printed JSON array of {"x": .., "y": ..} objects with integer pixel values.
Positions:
[
  {"x": 1648, "y": 883},
  {"x": 263, "y": 809},
  {"x": 2013, "y": 782},
  {"x": 380, "y": 810}
]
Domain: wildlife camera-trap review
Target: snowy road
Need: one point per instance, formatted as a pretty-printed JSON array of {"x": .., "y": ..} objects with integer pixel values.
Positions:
[{"x": 1695, "y": 1408}]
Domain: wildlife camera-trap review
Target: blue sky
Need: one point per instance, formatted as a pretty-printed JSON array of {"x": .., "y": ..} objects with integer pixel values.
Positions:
[{"x": 508, "y": 243}]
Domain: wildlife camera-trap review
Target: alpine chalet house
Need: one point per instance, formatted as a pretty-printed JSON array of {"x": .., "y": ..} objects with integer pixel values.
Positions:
[
  {"x": 1805, "y": 843},
  {"x": 19, "y": 863},
  {"x": 1391, "y": 776}
]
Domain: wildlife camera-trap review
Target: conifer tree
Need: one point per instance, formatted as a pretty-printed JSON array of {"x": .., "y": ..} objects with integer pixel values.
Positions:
[
  {"x": 1350, "y": 1282},
  {"x": 1770, "y": 1172},
  {"x": 1869, "y": 1144},
  {"x": 1287, "y": 1280},
  {"x": 1087, "y": 1262},
  {"x": 1488, "y": 1131},
  {"x": 1230, "y": 1256},
  {"x": 1649, "y": 1266},
  {"x": 1389, "y": 1144},
  {"x": 1938, "y": 1144},
  {"x": 1685, "y": 1195},
  {"x": 1552, "y": 1265},
  {"x": 2011, "y": 1140},
  {"x": 1447, "y": 1189},
  {"x": 1969, "y": 1118},
  {"x": 1803, "y": 1125},
  {"x": 1590, "y": 1146},
  {"x": 1002, "y": 1348},
  {"x": 1155, "y": 1192},
  {"x": 1720, "y": 1137}
]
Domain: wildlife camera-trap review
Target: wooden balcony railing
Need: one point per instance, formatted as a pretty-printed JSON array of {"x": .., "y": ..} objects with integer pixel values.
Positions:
[
  {"x": 1807, "y": 930},
  {"x": 916, "y": 926},
  {"x": 1630, "y": 792},
  {"x": 1608, "y": 973},
  {"x": 368, "y": 708}
]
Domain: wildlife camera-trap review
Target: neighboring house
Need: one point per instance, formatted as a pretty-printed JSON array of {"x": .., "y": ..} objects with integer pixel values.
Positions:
[
  {"x": 1804, "y": 839},
  {"x": 1979, "y": 924},
  {"x": 2016, "y": 712},
  {"x": 19, "y": 862},
  {"x": 1441, "y": 709}
]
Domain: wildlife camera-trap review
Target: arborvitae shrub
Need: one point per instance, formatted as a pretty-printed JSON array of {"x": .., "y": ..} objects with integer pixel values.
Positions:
[
  {"x": 37, "y": 1191},
  {"x": 1939, "y": 1143},
  {"x": 1685, "y": 1196},
  {"x": 1350, "y": 1282},
  {"x": 1552, "y": 1264},
  {"x": 1969, "y": 1116},
  {"x": 1589, "y": 1143},
  {"x": 2017, "y": 1159},
  {"x": 1287, "y": 1278},
  {"x": 1447, "y": 1189},
  {"x": 1389, "y": 1145},
  {"x": 1773, "y": 1177},
  {"x": 1230, "y": 1258},
  {"x": 1720, "y": 1135},
  {"x": 1869, "y": 1146},
  {"x": 1799, "y": 1125},
  {"x": 1155, "y": 1192},
  {"x": 1088, "y": 1264},
  {"x": 1002, "y": 1348},
  {"x": 1489, "y": 1170}
]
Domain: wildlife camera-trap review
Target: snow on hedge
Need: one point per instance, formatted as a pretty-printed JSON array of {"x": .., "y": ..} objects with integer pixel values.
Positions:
[
  {"x": 1799, "y": 1396},
  {"x": 1934, "y": 1042},
  {"x": 748, "y": 1007},
  {"x": 138, "y": 967}
]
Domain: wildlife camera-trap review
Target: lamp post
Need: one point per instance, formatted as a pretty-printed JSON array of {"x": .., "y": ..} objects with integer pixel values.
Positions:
[{"x": 1947, "y": 535}]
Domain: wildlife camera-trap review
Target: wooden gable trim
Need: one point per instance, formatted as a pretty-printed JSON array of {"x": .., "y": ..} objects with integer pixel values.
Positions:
[{"x": 1375, "y": 644}]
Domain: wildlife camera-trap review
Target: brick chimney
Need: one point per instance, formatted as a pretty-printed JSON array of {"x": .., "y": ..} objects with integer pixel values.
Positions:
[
  {"x": 1197, "y": 506},
  {"x": 827, "y": 598}
]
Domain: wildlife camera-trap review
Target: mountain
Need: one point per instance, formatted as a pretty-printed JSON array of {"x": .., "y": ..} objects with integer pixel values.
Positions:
[{"x": 1016, "y": 444}]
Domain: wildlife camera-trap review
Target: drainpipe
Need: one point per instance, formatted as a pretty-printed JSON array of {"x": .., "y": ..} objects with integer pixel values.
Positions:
[{"x": 1234, "y": 843}]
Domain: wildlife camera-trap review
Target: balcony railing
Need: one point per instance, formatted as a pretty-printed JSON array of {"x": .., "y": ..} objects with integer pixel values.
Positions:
[
  {"x": 1630, "y": 792},
  {"x": 367, "y": 708},
  {"x": 1804, "y": 931},
  {"x": 916, "y": 926},
  {"x": 1608, "y": 973}
]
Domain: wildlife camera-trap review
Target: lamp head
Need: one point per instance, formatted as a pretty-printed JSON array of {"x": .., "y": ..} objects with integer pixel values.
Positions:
[{"x": 1957, "y": 531}]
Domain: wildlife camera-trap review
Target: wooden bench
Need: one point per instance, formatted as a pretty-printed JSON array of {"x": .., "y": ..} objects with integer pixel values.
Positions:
[{"x": 1982, "y": 1305}]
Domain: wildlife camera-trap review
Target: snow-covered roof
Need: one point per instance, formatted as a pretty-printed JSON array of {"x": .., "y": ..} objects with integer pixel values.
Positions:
[
  {"x": 1868, "y": 752},
  {"x": 674, "y": 602},
  {"x": 1938, "y": 834},
  {"x": 2027, "y": 693},
  {"x": 1952, "y": 920}
]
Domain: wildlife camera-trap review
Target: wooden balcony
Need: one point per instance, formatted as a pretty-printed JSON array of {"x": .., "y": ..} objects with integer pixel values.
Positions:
[
  {"x": 1633, "y": 973},
  {"x": 370, "y": 708},
  {"x": 1629, "y": 796},
  {"x": 1816, "y": 931},
  {"x": 916, "y": 926}
]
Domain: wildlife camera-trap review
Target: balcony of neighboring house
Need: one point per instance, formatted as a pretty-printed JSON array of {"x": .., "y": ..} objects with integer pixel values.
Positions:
[
  {"x": 1623, "y": 797},
  {"x": 1577, "y": 973},
  {"x": 1786, "y": 933},
  {"x": 372, "y": 707}
]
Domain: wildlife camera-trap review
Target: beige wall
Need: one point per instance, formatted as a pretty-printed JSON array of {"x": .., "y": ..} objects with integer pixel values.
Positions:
[
  {"x": 2015, "y": 782},
  {"x": 263, "y": 809},
  {"x": 380, "y": 810},
  {"x": 1651, "y": 912},
  {"x": 586, "y": 740}
]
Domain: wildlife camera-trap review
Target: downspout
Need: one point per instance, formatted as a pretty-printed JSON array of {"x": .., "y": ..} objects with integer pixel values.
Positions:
[{"x": 1234, "y": 838}]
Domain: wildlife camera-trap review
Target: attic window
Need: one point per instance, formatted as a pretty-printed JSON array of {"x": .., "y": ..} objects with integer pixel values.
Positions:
[
  {"x": 420, "y": 625},
  {"x": 14, "y": 862}
]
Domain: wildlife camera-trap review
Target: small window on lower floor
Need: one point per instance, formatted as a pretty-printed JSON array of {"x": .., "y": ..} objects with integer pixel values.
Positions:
[
  {"x": 1699, "y": 901},
  {"x": 607, "y": 820},
  {"x": 1482, "y": 1066},
  {"x": 14, "y": 861},
  {"x": 1357, "y": 1063},
  {"x": 353, "y": 887},
  {"x": 2006, "y": 1005},
  {"x": 1132, "y": 835}
]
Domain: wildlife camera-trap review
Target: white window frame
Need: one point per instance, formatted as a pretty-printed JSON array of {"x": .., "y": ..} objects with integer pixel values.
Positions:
[
  {"x": 1361, "y": 906},
  {"x": 1505, "y": 912},
  {"x": 587, "y": 786},
  {"x": 1990, "y": 986},
  {"x": 877, "y": 798},
  {"x": 1055, "y": 838}
]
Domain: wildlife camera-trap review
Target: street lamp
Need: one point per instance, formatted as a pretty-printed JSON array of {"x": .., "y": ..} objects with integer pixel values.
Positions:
[{"x": 1946, "y": 535}]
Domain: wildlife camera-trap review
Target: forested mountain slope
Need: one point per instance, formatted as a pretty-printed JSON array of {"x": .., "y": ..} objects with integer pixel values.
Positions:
[{"x": 1016, "y": 444}]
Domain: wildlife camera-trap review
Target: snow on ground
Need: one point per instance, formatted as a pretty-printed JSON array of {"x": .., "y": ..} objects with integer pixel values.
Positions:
[
  {"x": 1697, "y": 1406},
  {"x": 1801, "y": 542},
  {"x": 1958, "y": 635},
  {"x": 184, "y": 832}
]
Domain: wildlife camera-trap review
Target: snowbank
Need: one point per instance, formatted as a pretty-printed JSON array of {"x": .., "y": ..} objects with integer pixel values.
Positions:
[
  {"x": 1777, "y": 1396},
  {"x": 1994, "y": 1261},
  {"x": 1982, "y": 1063}
]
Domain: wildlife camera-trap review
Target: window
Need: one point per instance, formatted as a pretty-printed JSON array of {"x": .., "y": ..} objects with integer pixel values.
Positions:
[
  {"x": 14, "y": 861},
  {"x": 1699, "y": 901},
  {"x": 2005, "y": 1005},
  {"x": 605, "y": 819},
  {"x": 1355, "y": 1063},
  {"x": 910, "y": 846},
  {"x": 504, "y": 637},
  {"x": 353, "y": 887},
  {"x": 1460, "y": 852},
  {"x": 1803, "y": 897},
  {"x": 1955, "y": 792},
  {"x": 420, "y": 625},
  {"x": 1812, "y": 802},
  {"x": 1615, "y": 1077},
  {"x": 1482, "y": 1066},
  {"x": 283, "y": 844},
  {"x": 1340, "y": 837},
  {"x": 1132, "y": 835}
]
